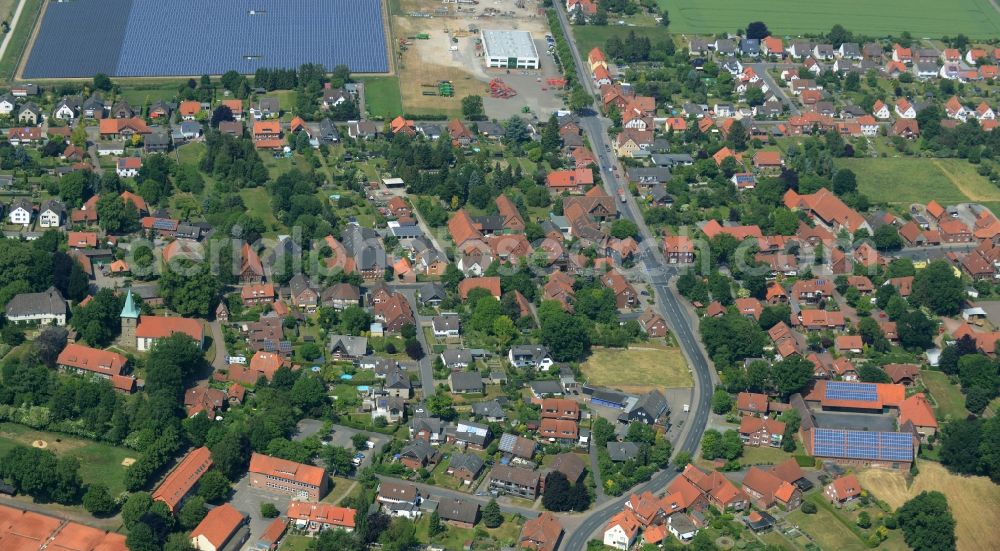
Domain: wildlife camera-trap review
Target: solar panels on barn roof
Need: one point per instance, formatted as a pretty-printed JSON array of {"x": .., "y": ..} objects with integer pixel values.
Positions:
[
  {"x": 874, "y": 446},
  {"x": 164, "y": 224},
  {"x": 193, "y": 37},
  {"x": 862, "y": 392}
]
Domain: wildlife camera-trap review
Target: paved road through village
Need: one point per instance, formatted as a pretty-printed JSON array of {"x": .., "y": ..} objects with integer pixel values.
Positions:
[{"x": 678, "y": 316}]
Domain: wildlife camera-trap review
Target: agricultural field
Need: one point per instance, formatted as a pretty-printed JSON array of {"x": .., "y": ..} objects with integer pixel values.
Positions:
[
  {"x": 974, "y": 500},
  {"x": 905, "y": 180},
  {"x": 930, "y": 18},
  {"x": 99, "y": 463},
  {"x": 638, "y": 369}
]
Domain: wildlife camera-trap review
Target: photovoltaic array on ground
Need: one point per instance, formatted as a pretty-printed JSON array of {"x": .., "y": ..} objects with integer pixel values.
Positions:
[
  {"x": 864, "y": 392},
  {"x": 852, "y": 444},
  {"x": 147, "y": 38}
]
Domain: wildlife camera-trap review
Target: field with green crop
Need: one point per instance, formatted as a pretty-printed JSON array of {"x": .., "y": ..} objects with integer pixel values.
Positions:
[
  {"x": 930, "y": 18},
  {"x": 906, "y": 180}
]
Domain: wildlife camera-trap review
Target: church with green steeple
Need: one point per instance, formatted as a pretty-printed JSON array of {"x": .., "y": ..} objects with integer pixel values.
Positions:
[{"x": 130, "y": 320}]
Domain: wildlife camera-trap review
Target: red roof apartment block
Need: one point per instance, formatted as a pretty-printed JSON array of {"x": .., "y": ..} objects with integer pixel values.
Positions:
[{"x": 287, "y": 477}]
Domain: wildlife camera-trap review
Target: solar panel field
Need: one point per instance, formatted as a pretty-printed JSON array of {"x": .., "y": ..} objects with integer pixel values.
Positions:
[{"x": 151, "y": 38}]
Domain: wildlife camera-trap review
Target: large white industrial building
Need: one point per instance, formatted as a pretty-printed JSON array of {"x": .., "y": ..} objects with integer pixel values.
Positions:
[{"x": 510, "y": 49}]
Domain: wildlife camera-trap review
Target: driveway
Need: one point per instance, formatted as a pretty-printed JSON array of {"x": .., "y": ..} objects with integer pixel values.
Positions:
[
  {"x": 341, "y": 436},
  {"x": 426, "y": 364},
  {"x": 219, "y": 340}
]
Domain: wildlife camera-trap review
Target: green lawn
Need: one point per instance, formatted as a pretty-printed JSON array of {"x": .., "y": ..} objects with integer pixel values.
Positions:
[
  {"x": 258, "y": 204},
  {"x": 827, "y": 530},
  {"x": 950, "y": 400},
  {"x": 99, "y": 463},
  {"x": 294, "y": 542},
  {"x": 763, "y": 455},
  {"x": 190, "y": 154},
  {"x": 382, "y": 97},
  {"x": 974, "y": 18},
  {"x": 454, "y": 538},
  {"x": 906, "y": 180},
  {"x": 19, "y": 41},
  {"x": 589, "y": 36}
]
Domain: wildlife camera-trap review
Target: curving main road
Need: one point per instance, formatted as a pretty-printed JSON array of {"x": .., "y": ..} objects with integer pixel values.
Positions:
[{"x": 658, "y": 274}]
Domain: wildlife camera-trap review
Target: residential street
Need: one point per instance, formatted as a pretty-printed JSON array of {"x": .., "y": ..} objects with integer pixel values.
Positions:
[{"x": 427, "y": 362}]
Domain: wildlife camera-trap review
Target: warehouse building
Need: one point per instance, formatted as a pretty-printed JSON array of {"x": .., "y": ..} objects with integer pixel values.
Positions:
[{"x": 510, "y": 49}]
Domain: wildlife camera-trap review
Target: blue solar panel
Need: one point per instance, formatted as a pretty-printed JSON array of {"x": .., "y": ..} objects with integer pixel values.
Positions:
[
  {"x": 162, "y": 224},
  {"x": 874, "y": 446},
  {"x": 194, "y": 37},
  {"x": 864, "y": 392}
]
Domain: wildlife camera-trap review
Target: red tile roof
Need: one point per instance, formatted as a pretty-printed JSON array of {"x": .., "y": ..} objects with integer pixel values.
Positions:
[
  {"x": 750, "y": 425},
  {"x": 628, "y": 522},
  {"x": 182, "y": 479},
  {"x": 846, "y": 487},
  {"x": 918, "y": 411},
  {"x": 323, "y": 513},
  {"x": 749, "y": 401},
  {"x": 542, "y": 532},
  {"x": 827, "y": 206},
  {"x": 570, "y": 178},
  {"x": 157, "y": 327},
  {"x": 288, "y": 470},
  {"x": 490, "y": 283},
  {"x": 219, "y": 525},
  {"x": 102, "y": 362},
  {"x": 189, "y": 107},
  {"x": 462, "y": 228}
]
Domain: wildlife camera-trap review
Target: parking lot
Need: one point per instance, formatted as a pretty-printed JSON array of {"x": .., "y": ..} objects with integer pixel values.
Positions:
[
  {"x": 341, "y": 436},
  {"x": 247, "y": 500}
]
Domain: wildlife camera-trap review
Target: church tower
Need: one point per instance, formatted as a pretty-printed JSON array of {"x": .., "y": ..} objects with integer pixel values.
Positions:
[{"x": 130, "y": 320}]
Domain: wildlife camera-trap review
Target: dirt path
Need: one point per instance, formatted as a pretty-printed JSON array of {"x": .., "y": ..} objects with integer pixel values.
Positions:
[
  {"x": 13, "y": 25},
  {"x": 347, "y": 493},
  {"x": 957, "y": 182}
]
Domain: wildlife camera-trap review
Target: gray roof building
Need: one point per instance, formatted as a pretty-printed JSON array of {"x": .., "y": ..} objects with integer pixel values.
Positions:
[
  {"x": 346, "y": 345},
  {"x": 41, "y": 307},
  {"x": 465, "y": 381},
  {"x": 622, "y": 451},
  {"x": 468, "y": 462},
  {"x": 458, "y": 510},
  {"x": 490, "y": 410}
]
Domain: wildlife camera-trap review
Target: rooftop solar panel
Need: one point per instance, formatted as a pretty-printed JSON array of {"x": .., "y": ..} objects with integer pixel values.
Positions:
[
  {"x": 193, "y": 37},
  {"x": 863, "y": 392},
  {"x": 875, "y": 446}
]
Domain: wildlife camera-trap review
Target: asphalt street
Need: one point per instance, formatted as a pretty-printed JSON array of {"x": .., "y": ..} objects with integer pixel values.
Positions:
[{"x": 658, "y": 275}]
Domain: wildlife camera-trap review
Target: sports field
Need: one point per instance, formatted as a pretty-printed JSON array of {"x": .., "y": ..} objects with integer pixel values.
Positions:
[
  {"x": 637, "y": 369},
  {"x": 99, "y": 463},
  {"x": 974, "y": 500},
  {"x": 931, "y": 18},
  {"x": 906, "y": 180}
]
